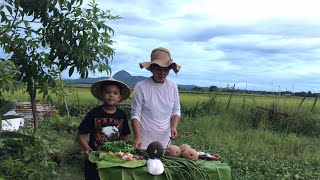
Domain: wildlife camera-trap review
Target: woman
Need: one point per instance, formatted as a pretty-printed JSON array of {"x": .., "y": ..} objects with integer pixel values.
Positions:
[{"x": 155, "y": 105}]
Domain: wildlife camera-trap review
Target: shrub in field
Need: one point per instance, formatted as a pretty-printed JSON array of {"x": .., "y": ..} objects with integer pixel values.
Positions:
[
  {"x": 28, "y": 160},
  {"x": 75, "y": 109},
  {"x": 211, "y": 106},
  {"x": 23, "y": 155},
  {"x": 252, "y": 153},
  {"x": 67, "y": 124},
  {"x": 303, "y": 123},
  {"x": 62, "y": 131},
  {"x": 247, "y": 166}
]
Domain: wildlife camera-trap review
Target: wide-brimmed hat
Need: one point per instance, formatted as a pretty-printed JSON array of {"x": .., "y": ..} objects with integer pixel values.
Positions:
[
  {"x": 162, "y": 57},
  {"x": 96, "y": 88}
]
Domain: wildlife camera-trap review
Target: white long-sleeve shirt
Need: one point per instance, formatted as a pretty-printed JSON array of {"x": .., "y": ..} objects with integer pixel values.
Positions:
[{"x": 153, "y": 105}]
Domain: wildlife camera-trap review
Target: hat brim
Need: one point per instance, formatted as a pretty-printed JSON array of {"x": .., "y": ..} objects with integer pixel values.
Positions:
[
  {"x": 96, "y": 90},
  {"x": 175, "y": 67}
]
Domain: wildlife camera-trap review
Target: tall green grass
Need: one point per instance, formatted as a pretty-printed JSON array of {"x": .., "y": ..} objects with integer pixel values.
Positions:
[
  {"x": 253, "y": 153},
  {"x": 260, "y": 137}
]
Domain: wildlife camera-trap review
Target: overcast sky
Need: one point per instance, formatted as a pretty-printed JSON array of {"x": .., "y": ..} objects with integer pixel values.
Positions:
[
  {"x": 267, "y": 45},
  {"x": 255, "y": 44}
]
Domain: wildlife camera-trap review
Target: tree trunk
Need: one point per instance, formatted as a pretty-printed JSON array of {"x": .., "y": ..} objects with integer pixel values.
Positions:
[
  {"x": 34, "y": 106},
  {"x": 0, "y": 126},
  {"x": 64, "y": 97}
]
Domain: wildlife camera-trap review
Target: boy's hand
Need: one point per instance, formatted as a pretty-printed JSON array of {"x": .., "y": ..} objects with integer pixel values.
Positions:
[
  {"x": 87, "y": 152},
  {"x": 137, "y": 142}
]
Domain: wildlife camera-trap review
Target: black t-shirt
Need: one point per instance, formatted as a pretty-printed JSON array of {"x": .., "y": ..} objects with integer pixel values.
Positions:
[{"x": 104, "y": 127}]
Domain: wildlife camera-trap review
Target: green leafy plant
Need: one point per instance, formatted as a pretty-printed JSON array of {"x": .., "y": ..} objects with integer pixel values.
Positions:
[
  {"x": 8, "y": 73},
  {"x": 24, "y": 155},
  {"x": 65, "y": 37},
  {"x": 11, "y": 143}
]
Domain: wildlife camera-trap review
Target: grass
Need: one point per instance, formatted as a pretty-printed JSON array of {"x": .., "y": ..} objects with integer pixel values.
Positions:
[
  {"x": 244, "y": 149},
  {"x": 254, "y": 144},
  {"x": 63, "y": 132},
  {"x": 79, "y": 95},
  {"x": 251, "y": 153}
]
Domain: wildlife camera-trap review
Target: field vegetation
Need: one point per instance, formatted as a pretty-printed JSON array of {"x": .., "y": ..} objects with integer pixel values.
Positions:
[{"x": 258, "y": 136}]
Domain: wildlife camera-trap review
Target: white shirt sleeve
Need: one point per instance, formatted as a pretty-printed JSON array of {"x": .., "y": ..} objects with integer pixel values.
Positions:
[
  {"x": 136, "y": 103},
  {"x": 176, "y": 107}
]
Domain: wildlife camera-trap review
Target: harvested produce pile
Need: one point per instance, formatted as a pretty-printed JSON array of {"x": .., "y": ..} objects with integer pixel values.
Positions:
[
  {"x": 124, "y": 156},
  {"x": 182, "y": 161},
  {"x": 117, "y": 153},
  {"x": 187, "y": 152}
]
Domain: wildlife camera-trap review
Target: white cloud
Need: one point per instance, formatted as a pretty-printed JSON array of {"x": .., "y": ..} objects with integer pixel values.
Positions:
[{"x": 260, "y": 44}]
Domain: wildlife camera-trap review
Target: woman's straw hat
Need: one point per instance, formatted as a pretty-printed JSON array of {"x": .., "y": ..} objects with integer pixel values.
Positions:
[
  {"x": 162, "y": 57},
  {"x": 96, "y": 88}
]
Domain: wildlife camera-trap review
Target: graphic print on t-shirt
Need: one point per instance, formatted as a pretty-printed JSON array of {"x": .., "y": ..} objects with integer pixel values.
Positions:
[
  {"x": 107, "y": 129},
  {"x": 110, "y": 132}
]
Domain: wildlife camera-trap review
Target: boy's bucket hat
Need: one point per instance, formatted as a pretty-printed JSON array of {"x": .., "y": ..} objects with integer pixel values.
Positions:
[{"x": 96, "y": 88}]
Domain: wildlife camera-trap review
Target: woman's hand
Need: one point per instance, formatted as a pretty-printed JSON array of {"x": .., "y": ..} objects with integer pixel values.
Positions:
[
  {"x": 136, "y": 126},
  {"x": 174, "y": 133},
  {"x": 174, "y": 124}
]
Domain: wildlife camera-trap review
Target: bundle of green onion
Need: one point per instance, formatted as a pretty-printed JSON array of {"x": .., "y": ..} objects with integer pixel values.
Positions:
[{"x": 184, "y": 169}]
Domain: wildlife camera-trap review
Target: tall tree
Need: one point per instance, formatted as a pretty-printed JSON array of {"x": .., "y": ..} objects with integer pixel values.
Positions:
[
  {"x": 213, "y": 88},
  {"x": 46, "y": 37}
]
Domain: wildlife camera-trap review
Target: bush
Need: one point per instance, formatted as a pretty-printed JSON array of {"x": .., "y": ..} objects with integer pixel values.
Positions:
[
  {"x": 62, "y": 124},
  {"x": 27, "y": 160}
]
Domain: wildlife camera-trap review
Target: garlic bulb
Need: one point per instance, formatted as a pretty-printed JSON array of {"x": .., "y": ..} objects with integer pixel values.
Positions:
[{"x": 155, "y": 166}]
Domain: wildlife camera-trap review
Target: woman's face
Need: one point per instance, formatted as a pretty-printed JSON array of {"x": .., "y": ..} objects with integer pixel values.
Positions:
[{"x": 159, "y": 73}]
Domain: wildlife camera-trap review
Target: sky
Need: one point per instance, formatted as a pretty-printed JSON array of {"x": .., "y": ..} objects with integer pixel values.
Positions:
[{"x": 270, "y": 45}]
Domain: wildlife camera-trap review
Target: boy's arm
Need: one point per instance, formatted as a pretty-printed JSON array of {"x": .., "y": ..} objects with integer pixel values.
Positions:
[
  {"x": 125, "y": 138},
  {"x": 82, "y": 140}
]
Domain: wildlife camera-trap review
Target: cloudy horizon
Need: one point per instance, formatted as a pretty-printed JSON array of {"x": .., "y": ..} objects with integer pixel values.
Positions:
[{"x": 256, "y": 45}]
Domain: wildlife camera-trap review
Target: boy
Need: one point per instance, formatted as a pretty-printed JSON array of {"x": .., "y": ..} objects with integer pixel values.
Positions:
[{"x": 104, "y": 123}]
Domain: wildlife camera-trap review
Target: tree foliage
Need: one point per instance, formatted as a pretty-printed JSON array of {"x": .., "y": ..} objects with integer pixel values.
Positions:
[
  {"x": 213, "y": 88},
  {"x": 46, "y": 37},
  {"x": 197, "y": 89},
  {"x": 8, "y": 73}
]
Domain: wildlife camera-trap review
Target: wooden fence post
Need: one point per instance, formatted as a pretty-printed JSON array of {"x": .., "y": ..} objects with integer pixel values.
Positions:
[
  {"x": 304, "y": 97},
  {"x": 230, "y": 96},
  {"x": 314, "y": 102}
]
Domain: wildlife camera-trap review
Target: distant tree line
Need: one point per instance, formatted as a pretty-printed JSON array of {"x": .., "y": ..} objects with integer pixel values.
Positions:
[{"x": 228, "y": 89}]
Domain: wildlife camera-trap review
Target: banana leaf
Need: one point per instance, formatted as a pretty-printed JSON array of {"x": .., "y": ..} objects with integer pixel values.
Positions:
[
  {"x": 215, "y": 169},
  {"x": 107, "y": 164},
  {"x": 10, "y": 117},
  {"x": 8, "y": 106}
]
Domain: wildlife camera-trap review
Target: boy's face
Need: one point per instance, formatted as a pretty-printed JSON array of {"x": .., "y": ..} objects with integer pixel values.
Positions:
[{"x": 111, "y": 95}]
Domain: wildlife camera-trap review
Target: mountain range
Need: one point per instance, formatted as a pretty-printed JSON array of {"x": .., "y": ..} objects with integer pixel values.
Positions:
[{"x": 123, "y": 76}]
